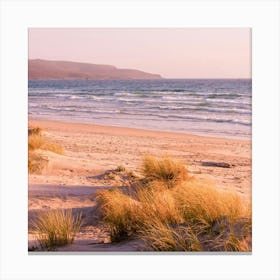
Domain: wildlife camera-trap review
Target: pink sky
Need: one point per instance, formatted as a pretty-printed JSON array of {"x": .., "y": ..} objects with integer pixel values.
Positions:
[{"x": 171, "y": 52}]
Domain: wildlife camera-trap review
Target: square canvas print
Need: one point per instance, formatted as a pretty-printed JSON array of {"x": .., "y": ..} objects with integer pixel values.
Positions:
[{"x": 139, "y": 140}]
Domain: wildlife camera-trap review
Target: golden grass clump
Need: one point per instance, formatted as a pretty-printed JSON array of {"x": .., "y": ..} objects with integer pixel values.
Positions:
[
  {"x": 56, "y": 228},
  {"x": 158, "y": 205},
  {"x": 119, "y": 212},
  {"x": 120, "y": 168},
  {"x": 36, "y": 141},
  {"x": 34, "y": 130},
  {"x": 206, "y": 218},
  {"x": 36, "y": 163},
  {"x": 160, "y": 236},
  {"x": 198, "y": 201},
  {"x": 165, "y": 170},
  {"x": 55, "y": 148},
  {"x": 189, "y": 216}
]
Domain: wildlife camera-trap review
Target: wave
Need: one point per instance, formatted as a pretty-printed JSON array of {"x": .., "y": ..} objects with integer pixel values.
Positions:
[
  {"x": 123, "y": 94},
  {"x": 178, "y": 104},
  {"x": 94, "y": 97},
  {"x": 230, "y": 102},
  {"x": 75, "y": 97},
  {"x": 134, "y": 100},
  {"x": 107, "y": 111},
  {"x": 151, "y": 116},
  {"x": 224, "y": 95},
  {"x": 205, "y": 109}
]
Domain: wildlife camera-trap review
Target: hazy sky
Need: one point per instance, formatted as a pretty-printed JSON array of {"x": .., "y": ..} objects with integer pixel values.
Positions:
[{"x": 173, "y": 53}]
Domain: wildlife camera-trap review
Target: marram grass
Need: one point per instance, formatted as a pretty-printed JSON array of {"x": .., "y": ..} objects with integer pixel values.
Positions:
[
  {"x": 56, "y": 228},
  {"x": 177, "y": 212},
  {"x": 36, "y": 163},
  {"x": 36, "y": 141},
  {"x": 165, "y": 170}
]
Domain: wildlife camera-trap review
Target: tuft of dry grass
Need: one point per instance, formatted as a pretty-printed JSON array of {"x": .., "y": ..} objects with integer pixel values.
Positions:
[
  {"x": 158, "y": 204},
  {"x": 55, "y": 148},
  {"x": 120, "y": 168},
  {"x": 161, "y": 236},
  {"x": 177, "y": 213},
  {"x": 36, "y": 141},
  {"x": 56, "y": 228},
  {"x": 34, "y": 131},
  {"x": 119, "y": 212},
  {"x": 36, "y": 163},
  {"x": 165, "y": 170},
  {"x": 204, "y": 202}
]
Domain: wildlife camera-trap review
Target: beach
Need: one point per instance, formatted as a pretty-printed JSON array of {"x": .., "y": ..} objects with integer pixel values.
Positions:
[
  {"x": 93, "y": 149},
  {"x": 91, "y": 152}
]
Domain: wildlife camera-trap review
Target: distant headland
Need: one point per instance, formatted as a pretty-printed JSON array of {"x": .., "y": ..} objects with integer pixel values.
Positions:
[{"x": 50, "y": 69}]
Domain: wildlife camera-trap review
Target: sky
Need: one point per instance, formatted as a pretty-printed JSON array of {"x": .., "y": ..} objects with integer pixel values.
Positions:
[{"x": 170, "y": 52}]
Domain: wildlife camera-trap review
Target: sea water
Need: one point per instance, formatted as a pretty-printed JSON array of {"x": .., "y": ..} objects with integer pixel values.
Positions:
[{"x": 202, "y": 107}]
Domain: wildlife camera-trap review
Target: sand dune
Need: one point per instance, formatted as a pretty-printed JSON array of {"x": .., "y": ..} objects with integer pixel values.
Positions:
[{"x": 92, "y": 152}]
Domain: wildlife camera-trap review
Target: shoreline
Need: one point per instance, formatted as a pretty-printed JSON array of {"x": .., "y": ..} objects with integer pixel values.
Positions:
[{"x": 139, "y": 129}]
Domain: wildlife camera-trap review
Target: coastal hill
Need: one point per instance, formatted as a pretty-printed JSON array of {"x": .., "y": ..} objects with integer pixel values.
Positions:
[{"x": 48, "y": 69}]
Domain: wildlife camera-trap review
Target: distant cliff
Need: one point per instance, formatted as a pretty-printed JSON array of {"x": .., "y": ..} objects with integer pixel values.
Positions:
[{"x": 48, "y": 69}]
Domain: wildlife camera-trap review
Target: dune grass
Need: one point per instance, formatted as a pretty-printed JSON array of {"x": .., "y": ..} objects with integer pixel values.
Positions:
[
  {"x": 34, "y": 130},
  {"x": 56, "y": 228},
  {"x": 172, "y": 211},
  {"x": 120, "y": 168},
  {"x": 206, "y": 218},
  {"x": 165, "y": 170},
  {"x": 36, "y": 163},
  {"x": 35, "y": 138},
  {"x": 160, "y": 236},
  {"x": 119, "y": 212},
  {"x": 52, "y": 147},
  {"x": 36, "y": 141}
]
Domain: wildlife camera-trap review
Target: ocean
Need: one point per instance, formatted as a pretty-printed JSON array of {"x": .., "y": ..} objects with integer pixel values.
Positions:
[{"x": 219, "y": 108}]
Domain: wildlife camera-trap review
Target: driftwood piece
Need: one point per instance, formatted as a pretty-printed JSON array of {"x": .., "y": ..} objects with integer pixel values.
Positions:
[{"x": 216, "y": 164}]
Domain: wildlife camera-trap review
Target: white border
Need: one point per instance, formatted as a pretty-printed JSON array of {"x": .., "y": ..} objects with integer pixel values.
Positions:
[{"x": 262, "y": 16}]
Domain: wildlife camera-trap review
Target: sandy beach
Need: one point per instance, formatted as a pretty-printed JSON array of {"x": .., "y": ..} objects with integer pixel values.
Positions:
[{"x": 91, "y": 152}]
